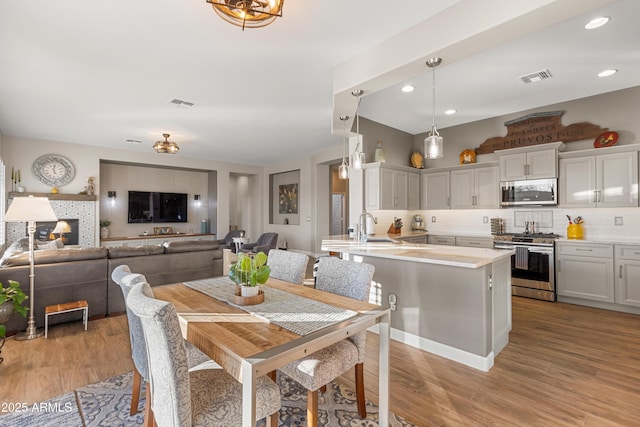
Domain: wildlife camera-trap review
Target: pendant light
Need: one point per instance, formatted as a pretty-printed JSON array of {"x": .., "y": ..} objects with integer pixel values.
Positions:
[
  {"x": 433, "y": 148},
  {"x": 358, "y": 159},
  {"x": 343, "y": 170}
]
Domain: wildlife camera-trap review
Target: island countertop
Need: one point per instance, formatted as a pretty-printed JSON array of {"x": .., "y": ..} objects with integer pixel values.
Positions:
[{"x": 385, "y": 247}]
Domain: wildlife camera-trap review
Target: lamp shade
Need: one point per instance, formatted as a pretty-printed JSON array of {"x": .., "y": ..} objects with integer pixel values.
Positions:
[
  {"x": 30, "y": 209},
  {"x": 62, "y": 227}
]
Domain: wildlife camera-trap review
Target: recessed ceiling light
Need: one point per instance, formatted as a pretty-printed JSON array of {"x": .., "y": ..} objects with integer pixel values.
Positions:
[
  {"x": 597, "y": 22},
  {"x": 451, "y": 111},
  {"x": 407, "y": 88},
  {"x": 607, "y": 73}
]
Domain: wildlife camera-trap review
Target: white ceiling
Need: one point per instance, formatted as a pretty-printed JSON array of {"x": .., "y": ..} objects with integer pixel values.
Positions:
[{"x": 99, "y": 73}]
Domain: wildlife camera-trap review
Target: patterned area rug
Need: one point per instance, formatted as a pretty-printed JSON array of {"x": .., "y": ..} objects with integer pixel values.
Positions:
[{"x": 107, "y": 403}]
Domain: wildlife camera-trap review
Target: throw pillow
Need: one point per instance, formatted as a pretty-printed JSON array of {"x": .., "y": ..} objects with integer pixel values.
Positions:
[
  {"x": 53, "y": 244},
  {"x": 19, "y": 246}
]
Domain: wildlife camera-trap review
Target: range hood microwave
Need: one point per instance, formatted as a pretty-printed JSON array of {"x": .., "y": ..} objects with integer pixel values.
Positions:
[{"x": 529, "y": 192}]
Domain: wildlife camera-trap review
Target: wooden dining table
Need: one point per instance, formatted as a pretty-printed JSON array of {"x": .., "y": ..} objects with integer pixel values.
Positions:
[{"x": 247, "y": 346}]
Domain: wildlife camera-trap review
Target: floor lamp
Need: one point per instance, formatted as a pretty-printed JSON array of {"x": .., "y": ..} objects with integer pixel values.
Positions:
[{"x": 30, "y": 209}]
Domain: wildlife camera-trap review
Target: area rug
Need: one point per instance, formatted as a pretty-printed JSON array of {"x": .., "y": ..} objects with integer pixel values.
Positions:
[{"x": 107, "y": 403}]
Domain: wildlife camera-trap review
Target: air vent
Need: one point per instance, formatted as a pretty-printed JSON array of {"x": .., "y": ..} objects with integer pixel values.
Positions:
[
  {"x": 181, "y": 103},
  {"x": 133, "y": 141},
  {"x": 537, "y": 76}
]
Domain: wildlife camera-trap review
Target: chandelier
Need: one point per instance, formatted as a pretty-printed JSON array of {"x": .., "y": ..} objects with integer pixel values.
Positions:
[
  {"x": 248, "y": 13},
  {"x": 166, "y": 146}
]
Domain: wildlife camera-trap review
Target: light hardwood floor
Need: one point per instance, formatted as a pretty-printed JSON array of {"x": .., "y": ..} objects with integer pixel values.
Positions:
[{"x": 565, "y": 365}]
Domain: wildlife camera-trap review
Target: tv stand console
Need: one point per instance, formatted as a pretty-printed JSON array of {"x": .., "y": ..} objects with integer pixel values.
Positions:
[{"x": 152, "y": 239}]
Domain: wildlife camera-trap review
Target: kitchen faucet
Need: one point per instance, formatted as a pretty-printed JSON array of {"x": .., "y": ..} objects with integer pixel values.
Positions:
[{"x": 363, "y": 225}]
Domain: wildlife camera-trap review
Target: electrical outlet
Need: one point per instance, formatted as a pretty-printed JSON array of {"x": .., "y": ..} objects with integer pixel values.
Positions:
[
  {"x": 485, "y": 220},
  {"x": 433, "y": 219},
  {"x": 617, "y": 220}
]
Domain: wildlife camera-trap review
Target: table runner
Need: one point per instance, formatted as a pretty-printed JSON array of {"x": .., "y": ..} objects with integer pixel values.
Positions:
[{"x": 297, "y": 314}]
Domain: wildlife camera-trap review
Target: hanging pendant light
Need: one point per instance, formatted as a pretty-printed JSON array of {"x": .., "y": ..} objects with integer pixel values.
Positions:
[
  {"x": 358, "y": 159},
  {"x": 433, "y": 147},
  {"x": 343, "y": 170}
]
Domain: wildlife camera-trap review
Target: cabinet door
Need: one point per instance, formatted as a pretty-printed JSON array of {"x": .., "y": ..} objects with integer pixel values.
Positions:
[
  {"x": 413, "y": 191},
  {"x": 585, "y": 277},
  {"x": 387, "y": 189},
  {"x": 487, "y": 188},
  {"x": 577, "y": 182},
  {"x": 441, "y": 240},
  {"x": 617, "y": 179},
  {"x": 628, "y": 283},
  {"x": 400, "y": 185},
  {"x": 512, "y": 167},
  {"x": 462, "y": 189},
  {"x": 474, "y": 242},
  {"x": 542, "y": 164},
  {"x": 372, "y": 188},
  {"x": 435, "y": 190}
]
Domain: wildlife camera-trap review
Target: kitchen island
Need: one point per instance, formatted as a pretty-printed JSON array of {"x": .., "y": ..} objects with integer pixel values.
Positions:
[{"x": 449, "y": 300}]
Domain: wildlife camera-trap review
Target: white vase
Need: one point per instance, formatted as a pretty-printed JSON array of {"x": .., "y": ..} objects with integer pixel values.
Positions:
[
  {"x": 249, "y": 291},
  {"x": 104, "y": 232}
]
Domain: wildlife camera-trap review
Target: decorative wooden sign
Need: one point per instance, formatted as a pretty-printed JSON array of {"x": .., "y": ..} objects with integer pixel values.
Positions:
[{"x": 539, "y": 128}]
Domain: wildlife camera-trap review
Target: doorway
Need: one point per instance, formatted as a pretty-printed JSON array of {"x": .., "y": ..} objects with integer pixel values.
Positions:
[{"x": 339, "y": 202}]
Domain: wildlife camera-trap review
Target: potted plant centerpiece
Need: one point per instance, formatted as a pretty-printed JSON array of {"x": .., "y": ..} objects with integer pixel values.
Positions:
[
  {"x": 104, "y": 228},
  {"x": 250, "y": 271},
  {"x": 11, "y": 299}
]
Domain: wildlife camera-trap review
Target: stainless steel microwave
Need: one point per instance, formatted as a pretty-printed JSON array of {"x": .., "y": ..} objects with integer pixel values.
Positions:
[{"x": 529, "y": 192}]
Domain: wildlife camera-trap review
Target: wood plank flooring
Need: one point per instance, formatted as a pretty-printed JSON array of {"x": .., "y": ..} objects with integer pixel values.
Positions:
[{"x": 565, "y": 365}]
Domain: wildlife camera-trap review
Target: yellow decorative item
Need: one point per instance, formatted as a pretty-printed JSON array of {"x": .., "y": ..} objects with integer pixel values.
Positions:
[
  {"x": 575, "y": 231},
  {"x": 54, "y": 190},
  {"x": 417, "y": 161},
  {"x": 467, "y": 157}
]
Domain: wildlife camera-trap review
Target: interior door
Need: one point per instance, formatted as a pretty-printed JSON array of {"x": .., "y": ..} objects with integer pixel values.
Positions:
[{"x": 338, "y": 214}]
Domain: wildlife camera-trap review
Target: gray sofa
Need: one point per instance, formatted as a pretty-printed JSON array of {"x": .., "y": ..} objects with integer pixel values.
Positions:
[{"x": 71, "y": 274}]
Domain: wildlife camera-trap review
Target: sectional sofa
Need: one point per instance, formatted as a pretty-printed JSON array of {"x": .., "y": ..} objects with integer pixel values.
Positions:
[{"x": 71, "y": 274}]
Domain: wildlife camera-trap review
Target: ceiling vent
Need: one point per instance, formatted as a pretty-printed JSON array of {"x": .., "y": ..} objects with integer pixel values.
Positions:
[
  {"x": 181, "y": 103},
  {"x": 537, "y": 76},
  {"x": 133, "y": 141}
]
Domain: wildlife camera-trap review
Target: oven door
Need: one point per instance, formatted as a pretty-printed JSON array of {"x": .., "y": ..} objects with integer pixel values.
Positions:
[{"x": 532, "y": 271}]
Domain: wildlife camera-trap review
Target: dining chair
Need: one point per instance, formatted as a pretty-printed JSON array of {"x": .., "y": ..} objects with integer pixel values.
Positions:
[
  {"x": 314, "y": 372},
  {"x": 288, "y": 266},
  {"x": 183, "y": 397},
  {"x": 196, "y": 359}
]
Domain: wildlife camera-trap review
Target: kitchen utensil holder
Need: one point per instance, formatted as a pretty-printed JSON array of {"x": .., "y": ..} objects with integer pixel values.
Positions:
[{"x": 575, "y": 231}]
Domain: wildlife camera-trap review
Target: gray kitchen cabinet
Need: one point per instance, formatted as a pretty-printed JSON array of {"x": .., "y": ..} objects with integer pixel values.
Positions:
[
  {"x": 607, "y": 180},
  {"x": 475, "y": 188},
  {"x": 474, "y": 242},
  {"x": 414, "y": 239},
  {"x": 528, "y": 165},
  {"x": 627, "y": 280},
  {"x": 389, "y": 187},
  {"x": 585, "y": 270},
  {"x": 435, "y": 190},
  {"x": 434, "y": 239}
]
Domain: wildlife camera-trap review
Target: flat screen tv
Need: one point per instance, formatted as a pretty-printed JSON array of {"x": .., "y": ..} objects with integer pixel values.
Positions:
[{"x": 151, "y": 206}]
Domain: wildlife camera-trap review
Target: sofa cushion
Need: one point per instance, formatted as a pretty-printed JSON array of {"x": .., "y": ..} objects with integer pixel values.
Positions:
[
  {"x": 51, "y": 244},
  {"x": 129, "y": 251},
  {"x": 56, "y": 255},
  {"x": 190, "y": 246},
  {"x": 16, "y": 248}
]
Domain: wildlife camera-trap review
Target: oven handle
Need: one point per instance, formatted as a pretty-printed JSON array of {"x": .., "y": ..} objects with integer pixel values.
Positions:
[{"x": 536, "y": 249}]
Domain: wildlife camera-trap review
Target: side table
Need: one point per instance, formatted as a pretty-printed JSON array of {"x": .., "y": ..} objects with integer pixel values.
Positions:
[{"x": 66, "y": 308}]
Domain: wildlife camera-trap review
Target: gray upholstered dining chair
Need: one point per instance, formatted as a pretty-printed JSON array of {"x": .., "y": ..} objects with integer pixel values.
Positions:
[
  {"x": 349, "y": 279},
  {"x": 288, "y": 266},
  {"x": 180, "y": 397},
  {"x": 196, "y": 359}
]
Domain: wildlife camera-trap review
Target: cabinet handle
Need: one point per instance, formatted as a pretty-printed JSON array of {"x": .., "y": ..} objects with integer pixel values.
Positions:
[
  {"x": 595, "y": 196},
  {"x": 621, "y": 272},
  {"x": 598, "y": 195},
  {"x": 558, "y": 266},
  {"x": 583, "y": 250},
  {"x": 473, "y": 200}
]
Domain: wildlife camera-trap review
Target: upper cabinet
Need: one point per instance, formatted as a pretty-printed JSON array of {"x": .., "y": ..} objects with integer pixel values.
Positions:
[
  {"x": 391, "y": 187},
  {"x": 533, "y": 162},
  {"x": 606, "y": 180},
  {"x": 435, "y": 190},
  {"x": 475, "y": 188}
]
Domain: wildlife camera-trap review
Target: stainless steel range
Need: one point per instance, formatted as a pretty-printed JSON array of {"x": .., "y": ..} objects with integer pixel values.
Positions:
[{"x": 532, "y": 265}]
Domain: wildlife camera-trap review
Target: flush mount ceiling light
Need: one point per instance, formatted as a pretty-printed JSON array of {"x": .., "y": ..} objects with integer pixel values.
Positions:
[
  {"x": 248, "y": 13},
  {"x": 407, "y": 88},
  {"x": 451, "y": 111},
  {"x": 166, "y": 146},
  {"x": 433, "y": 148},
  {"x": 596, "y": 22},
  {"x": 343, "y": 170},
  {"x": 607, "y": 73}
]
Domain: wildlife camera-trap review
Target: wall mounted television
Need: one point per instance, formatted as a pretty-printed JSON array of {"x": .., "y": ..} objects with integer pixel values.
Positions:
[{"x": 151, "y": 206}]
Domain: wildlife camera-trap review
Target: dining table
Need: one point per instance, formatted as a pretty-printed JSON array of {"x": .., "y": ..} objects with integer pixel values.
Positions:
[{"x": 251, "y": 341}]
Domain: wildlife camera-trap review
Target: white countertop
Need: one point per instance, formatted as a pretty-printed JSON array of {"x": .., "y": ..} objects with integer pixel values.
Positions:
[
  {"x": 603, "y": 241},
  {"x": 456, "y": 256}
]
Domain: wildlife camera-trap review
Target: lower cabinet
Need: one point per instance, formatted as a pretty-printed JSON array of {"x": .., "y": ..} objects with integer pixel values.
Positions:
[
  {"x": 627, "y": 274},
  {"x": 415, "y": 239},
  {"x": 585, "y": 271},
  {"x": 441, "y": 240}
]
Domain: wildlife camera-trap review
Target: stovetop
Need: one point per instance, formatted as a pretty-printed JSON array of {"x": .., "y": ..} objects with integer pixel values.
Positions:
[{"x": 545, "y": 238}]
